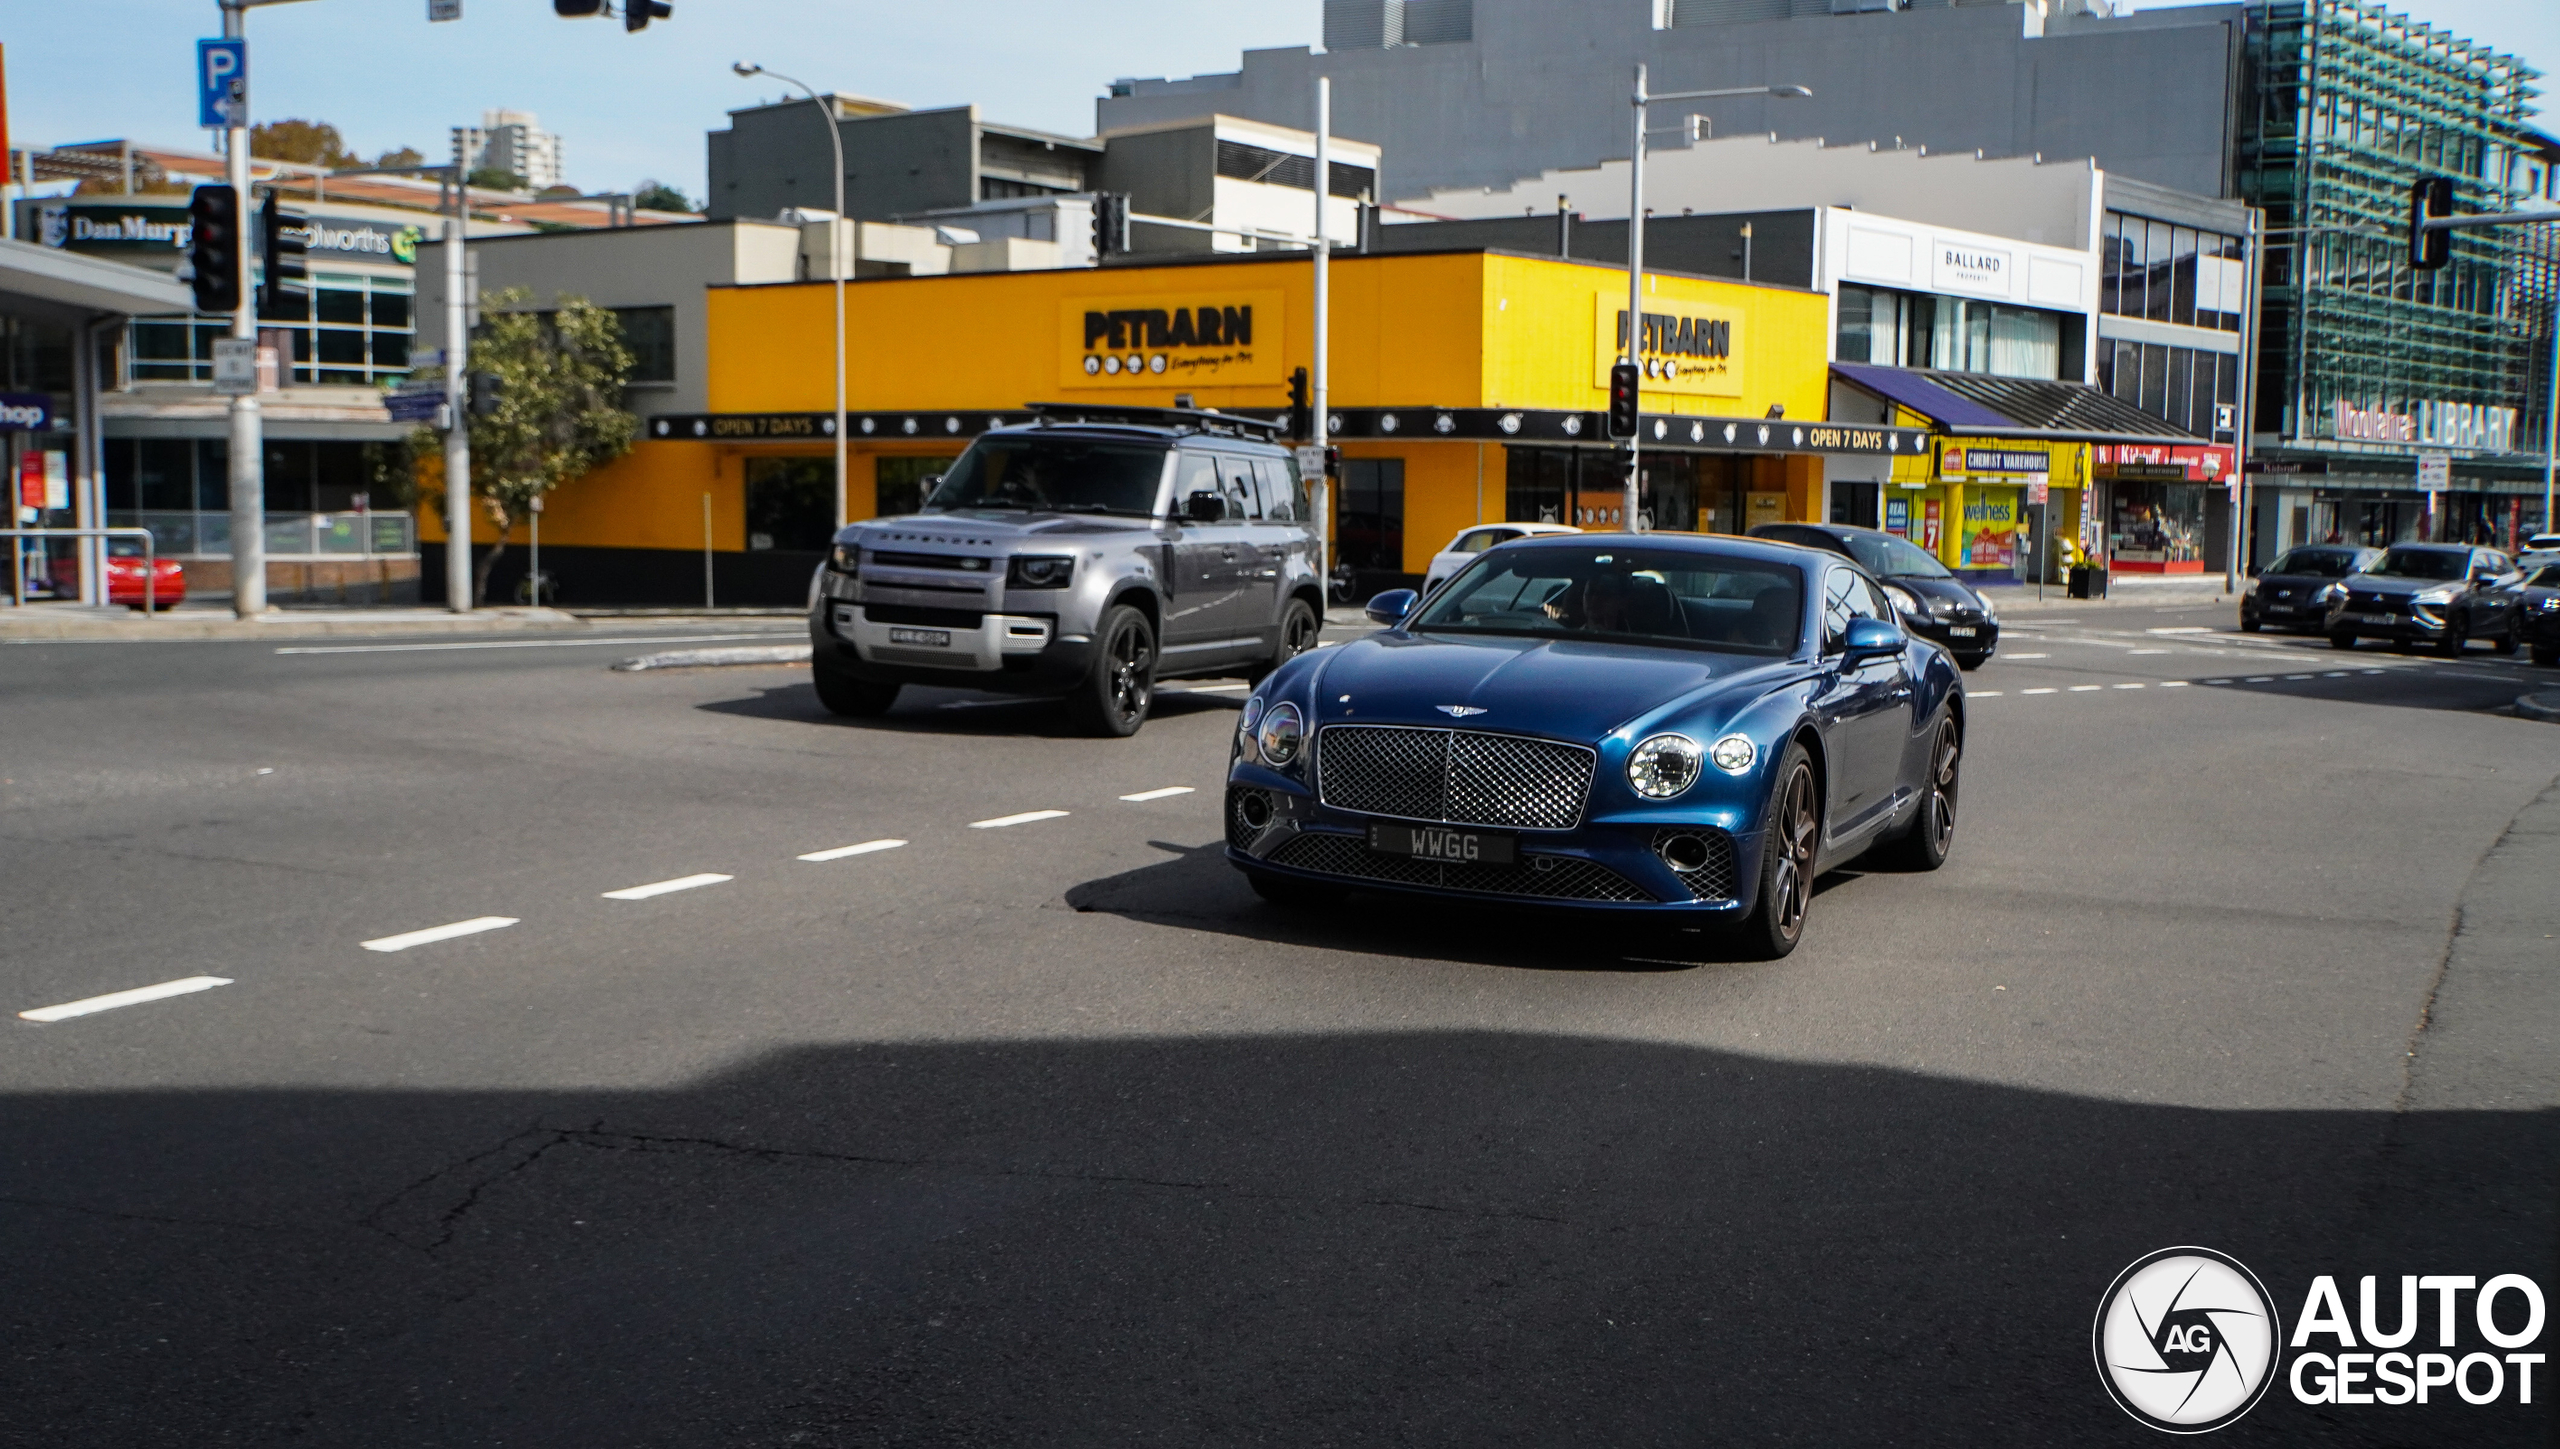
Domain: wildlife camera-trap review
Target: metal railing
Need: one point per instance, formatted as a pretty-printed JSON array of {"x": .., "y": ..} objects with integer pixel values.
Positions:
[{"x": 150, "y": 561}]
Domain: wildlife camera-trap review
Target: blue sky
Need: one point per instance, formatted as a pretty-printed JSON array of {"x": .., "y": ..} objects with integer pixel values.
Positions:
[{"x": 631, "y": 106}]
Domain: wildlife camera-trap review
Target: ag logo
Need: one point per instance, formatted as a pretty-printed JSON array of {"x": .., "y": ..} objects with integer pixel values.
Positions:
[{"x": 2186, "y": 1340}]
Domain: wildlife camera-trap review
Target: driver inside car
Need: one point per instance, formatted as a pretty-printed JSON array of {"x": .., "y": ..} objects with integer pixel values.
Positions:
[{"x": 1598, "y": 604}]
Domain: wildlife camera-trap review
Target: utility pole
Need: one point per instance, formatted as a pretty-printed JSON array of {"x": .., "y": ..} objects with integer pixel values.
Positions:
[
  {"x": 2244, "y": 415},
  {"x": 1321, "y": 428},
  {"x": 457, "y": 428},
  {"x": 838, "y": 263},
  {"x": 2551, "y": 424},
  {"x": 248, "y": 436},
  {"x": 1635, "y": 307}
]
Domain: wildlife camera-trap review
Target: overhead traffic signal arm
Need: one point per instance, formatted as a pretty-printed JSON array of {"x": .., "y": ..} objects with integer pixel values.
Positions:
[{"x": 2432, "y": 222}]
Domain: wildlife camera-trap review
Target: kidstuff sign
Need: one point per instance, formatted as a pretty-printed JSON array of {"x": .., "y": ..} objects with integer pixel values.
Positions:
[
  {"x": 1692, "y": 349},
  {"x": 1170, "y": 339},
  {"x": 2202, "y": 463}
]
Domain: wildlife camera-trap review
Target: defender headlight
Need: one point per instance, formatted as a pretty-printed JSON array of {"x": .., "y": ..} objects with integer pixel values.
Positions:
[
  {"x": 1039, "y": 572},
  {"x": 845, "y": 558},
  {"x": 2434, "y": 596},
  {"x": 1283, "y": 730},
  {"x": 1663, "y": 766},
  {"x": 1733, "y": 754}
]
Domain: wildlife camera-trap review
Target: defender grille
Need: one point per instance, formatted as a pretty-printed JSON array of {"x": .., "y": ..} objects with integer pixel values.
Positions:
[
  {"x": 958, "y": 562},
  {"x": 1461, "y": 777},
  {"x": 1542, "y": 877},
  {"x": 1713, "y": 881}
]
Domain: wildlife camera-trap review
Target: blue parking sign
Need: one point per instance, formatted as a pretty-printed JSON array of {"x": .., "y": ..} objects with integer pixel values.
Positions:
[{"x": 222, "y": 83}]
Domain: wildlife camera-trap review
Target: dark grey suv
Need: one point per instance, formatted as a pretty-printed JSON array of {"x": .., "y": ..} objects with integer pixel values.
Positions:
[{"x": 1086, "y": 556}]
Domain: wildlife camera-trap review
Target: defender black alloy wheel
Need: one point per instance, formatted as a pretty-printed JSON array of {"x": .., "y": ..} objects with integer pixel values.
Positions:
[
  {"x": 1932, "y": 832},
  {"x": 843, "y": 694},
  {"x": 1113, "y": 699},
  {"x": 1791, "y": 833},
  {"x": 1298, "y": 630}
]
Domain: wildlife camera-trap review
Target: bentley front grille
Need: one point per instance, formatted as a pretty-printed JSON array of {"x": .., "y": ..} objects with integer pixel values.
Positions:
[
  {"x": 1458, "y": 777},
  {"x": 1541, "y": 877}
]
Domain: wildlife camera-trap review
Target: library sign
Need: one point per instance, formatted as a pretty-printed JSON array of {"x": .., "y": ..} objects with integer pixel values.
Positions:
[{"x": 1170, "y": 339}]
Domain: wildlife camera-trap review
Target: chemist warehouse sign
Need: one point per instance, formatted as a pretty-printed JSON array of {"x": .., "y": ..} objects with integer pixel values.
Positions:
[{"x": 1183, "y": 339}]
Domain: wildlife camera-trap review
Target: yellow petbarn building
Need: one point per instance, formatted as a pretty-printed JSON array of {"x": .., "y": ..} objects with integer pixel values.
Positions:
[{"x": 1466, "y": 387}]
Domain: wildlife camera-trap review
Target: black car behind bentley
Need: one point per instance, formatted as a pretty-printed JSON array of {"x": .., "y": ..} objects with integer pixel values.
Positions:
[
  {"x": 2296, "y": 590},
  {"x": 2442, "y": 595},
  {"x": 1933, "y": 602}
]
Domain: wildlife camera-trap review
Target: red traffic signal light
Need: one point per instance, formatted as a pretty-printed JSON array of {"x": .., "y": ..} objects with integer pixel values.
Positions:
[
  {"x": 213, "y": 247},
  {"x": 1624, "y": 400},
  {"x": 2429, "y": 196}
]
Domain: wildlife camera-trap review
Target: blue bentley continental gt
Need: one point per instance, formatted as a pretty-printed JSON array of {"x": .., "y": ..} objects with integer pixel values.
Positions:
[{"x": 1683, "y": 727}]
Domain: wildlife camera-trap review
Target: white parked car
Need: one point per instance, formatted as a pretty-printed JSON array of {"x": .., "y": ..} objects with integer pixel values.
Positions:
[
  {"x": 2542, "y": 548},
  {"x": 1463, "y": 549}
]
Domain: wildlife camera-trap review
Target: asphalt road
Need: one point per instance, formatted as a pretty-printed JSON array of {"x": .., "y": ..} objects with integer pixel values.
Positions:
[{"x": 1051, "y": 1132}]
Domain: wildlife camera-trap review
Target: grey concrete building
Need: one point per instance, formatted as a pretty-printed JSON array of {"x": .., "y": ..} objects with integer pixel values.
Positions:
[
  {"x": 1494, "y": 90},
  {"x": 898, "y": 162}
]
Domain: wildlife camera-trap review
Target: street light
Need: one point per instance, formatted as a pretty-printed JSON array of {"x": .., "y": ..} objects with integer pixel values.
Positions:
[
  {"x": 1635, "y": 250},
  {"x": 835, "y": 262}
]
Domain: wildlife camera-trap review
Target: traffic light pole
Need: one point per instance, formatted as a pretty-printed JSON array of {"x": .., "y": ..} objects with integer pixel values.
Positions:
[
  {"x": 1635, "y": 308},
  {"x": 1320, "y": 425},
  {"x": 248, "y": 438},
  {"x": 457, "y": 426}
]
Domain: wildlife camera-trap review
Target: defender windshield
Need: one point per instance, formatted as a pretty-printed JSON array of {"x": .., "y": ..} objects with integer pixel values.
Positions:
[
  {"x": 1053, "y": 475},
  {"x": 1888, "y": 557},
  {"x": 1625, "y": 595},
  {"x": 2316, "y": 563},
  {"x": 2422, "y": 563}
]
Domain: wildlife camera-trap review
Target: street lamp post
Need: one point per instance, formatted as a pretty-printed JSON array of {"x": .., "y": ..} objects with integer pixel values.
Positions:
[
  {"x": 1634, "y": 339},
  {"x": 836, "y": 262}
]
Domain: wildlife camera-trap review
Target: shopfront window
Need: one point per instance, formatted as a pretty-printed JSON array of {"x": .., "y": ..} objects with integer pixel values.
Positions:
[
  {"x": 791, "y": 504},
  {"x": 2159, "y": 524},
  {"x": 1371, "y": 535}
]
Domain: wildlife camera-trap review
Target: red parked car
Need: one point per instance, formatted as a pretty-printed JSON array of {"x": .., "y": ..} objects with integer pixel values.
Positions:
[{"x": 124, "y": 576}]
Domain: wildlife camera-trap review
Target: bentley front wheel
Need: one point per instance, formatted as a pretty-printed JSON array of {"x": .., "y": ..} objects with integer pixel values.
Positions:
[{"x": 1790, "y": 836}]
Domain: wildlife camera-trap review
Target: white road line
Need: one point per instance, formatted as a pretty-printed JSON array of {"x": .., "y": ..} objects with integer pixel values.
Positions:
[
  {"x": 2173, "y": 684},
  {"x": 842, "y": 851},
  {"x": 659, "y": 888},
  {"x": 525, "y": 643},
  {"x": 1167, "y": 793},
  {"x": 2151, "y": 651},
  {"x": 2128, "y": 686},
  {"x": 407, "y": 939},
  {"x": 2026, "y": 656},
  {"x": 2337, "y": 674},
  {"x": 2180, "y": 629},
  {"x": 2377, "y": 671},
  {"x": 2084, "y": 688},
  {"x": 135, "y": 997},
  {"x": 1025, "y": 818},
  {"x": 2217, "y": 681},
  {"x": 2260, "y": 679},
  {"x": 2467, "y": 674},
  {"x": 1984, "y": 693},
  {"x": 2302, "y": 676},
  {"x": 2039, "y": 691}
]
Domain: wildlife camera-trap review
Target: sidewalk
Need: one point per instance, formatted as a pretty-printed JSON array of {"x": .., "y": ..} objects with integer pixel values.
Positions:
[
  {"x": 81, "y": 622},
  {"x": 2126, "y": 591}
]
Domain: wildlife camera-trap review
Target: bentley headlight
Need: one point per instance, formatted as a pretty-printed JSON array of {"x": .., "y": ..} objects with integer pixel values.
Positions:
[
  {"x": 1663, "y": 766},
  {"x": 1733, "y": 754},
  {"x": 2434, "y": 596},
  {"x": 845, "y": 558},
  {"x": 1283, "y": 730}
]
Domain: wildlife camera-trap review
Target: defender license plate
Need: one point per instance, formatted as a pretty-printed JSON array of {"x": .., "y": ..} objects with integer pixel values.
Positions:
[
  {"x": 1440, "y": 842},
  {"x": 931, "y": 638},
  {"x": 1960, "y": 631}
]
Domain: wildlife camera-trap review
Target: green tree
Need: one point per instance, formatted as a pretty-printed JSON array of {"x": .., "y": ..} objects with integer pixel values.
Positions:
[
  {"x": 496, "y": 178},
  {"x": 312, "y": 143},
  {"x": 654, "y": 195},
  {"x": 561, "y": 377},
  {"x": 401, "y": 156}
]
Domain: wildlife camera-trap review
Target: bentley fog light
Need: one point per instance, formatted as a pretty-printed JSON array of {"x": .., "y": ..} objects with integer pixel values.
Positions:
[
  {"x": 1283, "y": 730},
  {"x": 1663, "y": 766},
  {"x": 1733, "y": 754}
]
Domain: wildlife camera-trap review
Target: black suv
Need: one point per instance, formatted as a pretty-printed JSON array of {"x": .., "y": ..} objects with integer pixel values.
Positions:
[
  {"x": 2296, "y": 590},
  {"x": 2439, "y": 594},
  {"x": 1085, "y": 556},
  {"x": 1933, "y": 602}
]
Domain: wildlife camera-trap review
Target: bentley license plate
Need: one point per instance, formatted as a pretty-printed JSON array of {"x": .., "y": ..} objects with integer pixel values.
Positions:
[
  {"x": 1960, "y": 631},
  {"x": 1440, "y": 842},
  {"x": 931, "y": 638}
]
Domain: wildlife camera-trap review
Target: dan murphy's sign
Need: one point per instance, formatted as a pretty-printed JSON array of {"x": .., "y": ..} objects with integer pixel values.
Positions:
[{"x": 1217, "y": 339}]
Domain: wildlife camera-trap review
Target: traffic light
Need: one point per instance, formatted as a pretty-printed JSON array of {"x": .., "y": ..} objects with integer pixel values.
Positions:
[
  {"x": 284, "y": 238},
  {"x": 1110, "y": 225},
  {"x": 636, "y": 14},
  {"x": 2429, "y": 196},
  {"x": 486, "y": 393},
  {"x": 1623, "y": 400},
  {"x": 213, "y": 247},
  {"x": 577, "y": 9},
  {"x": 1302, "y": 418}
]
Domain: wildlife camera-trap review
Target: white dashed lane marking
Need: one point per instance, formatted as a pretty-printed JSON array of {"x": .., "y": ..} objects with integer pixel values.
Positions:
[
  {"x": 1025, "y": 818},
  {"x": 2128, "y": 686},
  {"x": 2026, "y": 656},
  {"x": 407, "y": 939},
  {"x": 2085, "y": 688},
  {"x": 2039, "y": 691},
  {"x": 664, "y": 887},
  {"x": 1167, "y": 793},
  {"x": 865, "y": 848},
  {"x": 135, "y": 997},
  {"x": 527, "y": 643}
]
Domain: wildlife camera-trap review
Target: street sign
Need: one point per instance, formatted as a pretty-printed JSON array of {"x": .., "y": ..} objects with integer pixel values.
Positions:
[
  {"x": 2226, "y": 418},
  {"x": 222, "y": 83},
  {"x": 2435, "y": 472},
  {"x": 1310, "y": 460},
  {"x": 2039, "y": 488},
  {"x": 414, "y": 407},
  {"x": 444, "y": 9},
  {"x": 25, "y": 412},
  {"x": 235, "y": 365}
]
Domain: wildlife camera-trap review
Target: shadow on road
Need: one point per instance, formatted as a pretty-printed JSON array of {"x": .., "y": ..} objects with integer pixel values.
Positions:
[
  {"x": 922, "y": 710},
  {"x": 1438, "y": 1237}
]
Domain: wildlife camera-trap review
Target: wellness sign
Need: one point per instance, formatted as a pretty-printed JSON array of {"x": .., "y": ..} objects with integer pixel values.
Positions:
[{"x": 1166, "y": 339}]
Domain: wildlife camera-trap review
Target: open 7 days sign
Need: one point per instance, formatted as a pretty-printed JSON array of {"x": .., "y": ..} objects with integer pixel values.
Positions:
[{"x": 1168, "y": 339}]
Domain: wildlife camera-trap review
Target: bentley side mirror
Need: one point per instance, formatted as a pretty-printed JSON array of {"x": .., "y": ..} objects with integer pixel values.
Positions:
[
  {"x": 1205, "y": 508},
  {"x": 1391, "y": 607},
  {"x": 1873, "y": 639}
]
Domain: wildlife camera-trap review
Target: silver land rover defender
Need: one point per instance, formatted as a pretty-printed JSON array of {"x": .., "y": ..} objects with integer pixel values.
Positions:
[{"x": 1086, "y": 555}]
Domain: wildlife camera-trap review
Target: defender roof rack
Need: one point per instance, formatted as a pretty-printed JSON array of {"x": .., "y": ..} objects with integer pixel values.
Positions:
[{"x": 1197, "y": 420}]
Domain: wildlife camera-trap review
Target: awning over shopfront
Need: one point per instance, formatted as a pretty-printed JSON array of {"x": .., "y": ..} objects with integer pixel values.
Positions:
[
  {"x": 64, "y": 286},
  {"x": 2013, "y": 407}
]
